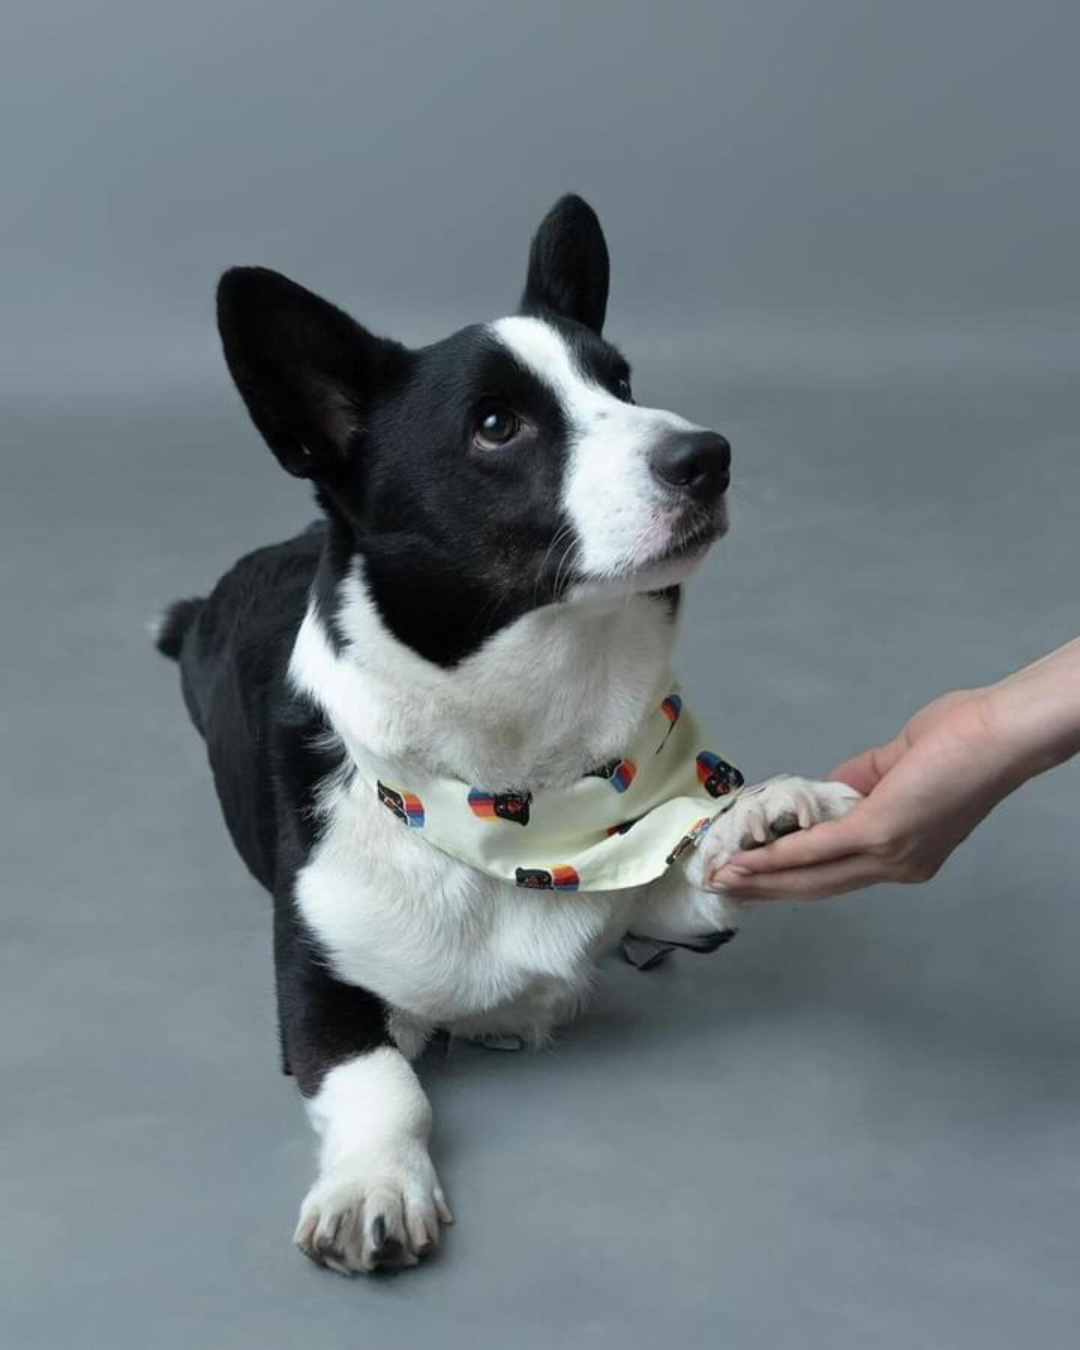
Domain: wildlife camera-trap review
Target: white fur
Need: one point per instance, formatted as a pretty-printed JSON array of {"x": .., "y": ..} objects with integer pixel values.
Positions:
[
  {"x": 442, "y": 943},
  {"x": 373, "y": 1121},
  {"x": 622, "y": 517},
  {"x": 548, "y": 697}
]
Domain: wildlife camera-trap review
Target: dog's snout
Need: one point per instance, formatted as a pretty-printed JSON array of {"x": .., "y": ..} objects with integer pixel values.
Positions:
[{"x": 697, "y": 462}]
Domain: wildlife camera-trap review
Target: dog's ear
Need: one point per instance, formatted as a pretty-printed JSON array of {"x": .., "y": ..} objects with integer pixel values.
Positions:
[
  {"x": 305, "y": 369},
  {"x": 568, "y": 265}
]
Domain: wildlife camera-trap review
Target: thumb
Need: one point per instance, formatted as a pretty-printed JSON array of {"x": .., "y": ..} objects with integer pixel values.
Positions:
[{"x": 866, "y": 770}]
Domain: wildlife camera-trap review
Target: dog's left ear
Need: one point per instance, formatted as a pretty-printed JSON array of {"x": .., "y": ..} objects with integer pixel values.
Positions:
[
  {"x": 305, "y": 369},
  {"x": 568, "y": 265}
]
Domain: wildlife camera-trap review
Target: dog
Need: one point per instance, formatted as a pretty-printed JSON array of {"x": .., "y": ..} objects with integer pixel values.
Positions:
[{"x": 490, "y": 593}]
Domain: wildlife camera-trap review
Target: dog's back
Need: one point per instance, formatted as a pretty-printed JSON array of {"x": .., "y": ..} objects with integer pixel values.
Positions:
[{"x": 233, "y": 649}]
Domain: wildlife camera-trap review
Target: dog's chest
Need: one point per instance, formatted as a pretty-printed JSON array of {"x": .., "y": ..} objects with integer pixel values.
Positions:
[{"x": 439, "y": 940}]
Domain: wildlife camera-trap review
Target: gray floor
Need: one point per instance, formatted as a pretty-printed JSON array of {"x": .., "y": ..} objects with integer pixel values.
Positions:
[{"x": 854, "y": 1127}]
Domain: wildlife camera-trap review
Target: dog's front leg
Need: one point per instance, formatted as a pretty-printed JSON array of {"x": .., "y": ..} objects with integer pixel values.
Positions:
[
  {"x": 685, "y": 907},
  {"x": 676, "y": 910},
  {"x": 376, "y": 1200}
]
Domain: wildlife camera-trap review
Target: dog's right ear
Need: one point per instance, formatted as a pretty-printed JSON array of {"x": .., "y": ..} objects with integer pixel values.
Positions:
[
  {"x": 305, "y": 369},
  {"x": 568, "y": 265}
]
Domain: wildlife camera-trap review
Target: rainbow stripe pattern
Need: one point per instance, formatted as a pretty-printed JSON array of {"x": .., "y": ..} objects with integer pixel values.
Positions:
[
  {"x": 482, "y": 803},
  {"x": 414, "y": 810},
  {"x": 689, "y": 839},
  {"x": 407, "y": 806},
  {"x": 512, "y": 806},
  {"x": 623, "y": 774},
  {"x": 671, "y": 707}
]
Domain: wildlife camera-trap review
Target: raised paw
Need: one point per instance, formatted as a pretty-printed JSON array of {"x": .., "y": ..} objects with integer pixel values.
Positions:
[
  {"x": 366, "y": 1214},
  {"x": 770, "y": 810}
]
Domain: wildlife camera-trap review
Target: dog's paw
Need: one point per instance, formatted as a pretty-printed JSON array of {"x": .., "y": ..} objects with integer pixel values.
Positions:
[
  {"x": 768, "y": 811},
  {"x": 367, "y": 1213}
]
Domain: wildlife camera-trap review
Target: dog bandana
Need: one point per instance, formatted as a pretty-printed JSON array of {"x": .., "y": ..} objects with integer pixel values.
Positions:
[{"x": 621, "y": 825}]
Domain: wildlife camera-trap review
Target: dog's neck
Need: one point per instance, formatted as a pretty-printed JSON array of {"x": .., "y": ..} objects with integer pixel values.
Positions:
[{"x": 552, "y": 695}]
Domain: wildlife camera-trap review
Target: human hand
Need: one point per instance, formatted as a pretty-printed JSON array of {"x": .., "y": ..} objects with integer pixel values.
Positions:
[{"x": 925, "y": 791}]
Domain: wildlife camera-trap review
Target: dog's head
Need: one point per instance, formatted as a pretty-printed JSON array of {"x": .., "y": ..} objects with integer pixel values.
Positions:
[{"x": 501, "y": 469}]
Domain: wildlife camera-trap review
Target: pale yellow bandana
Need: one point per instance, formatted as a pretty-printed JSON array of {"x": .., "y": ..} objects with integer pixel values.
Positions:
[{"x": 621, "y": 825}]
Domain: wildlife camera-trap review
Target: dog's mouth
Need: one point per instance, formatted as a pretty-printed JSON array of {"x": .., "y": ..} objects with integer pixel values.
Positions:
[
  {"x": 684, "y": 552},
  {"x": 692, "y": 537},
  {"x": 697, "y": 537},
  {"x": 681, "y": 548}
]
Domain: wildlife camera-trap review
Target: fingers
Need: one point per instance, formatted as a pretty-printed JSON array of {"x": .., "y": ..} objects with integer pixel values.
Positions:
[{"x": 804, "y": 883}]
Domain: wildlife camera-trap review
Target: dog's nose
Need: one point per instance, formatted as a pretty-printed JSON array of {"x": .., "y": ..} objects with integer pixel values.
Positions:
[{"x": 698, "y": 462}]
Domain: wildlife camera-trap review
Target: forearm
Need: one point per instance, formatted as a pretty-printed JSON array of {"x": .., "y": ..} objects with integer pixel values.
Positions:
[{"x": 1036, "y": 712}]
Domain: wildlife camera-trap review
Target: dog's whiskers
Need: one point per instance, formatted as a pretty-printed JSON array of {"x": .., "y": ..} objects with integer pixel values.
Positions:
[
  {"x": 556, "y": 539},
  {"x": 567, "y": 552}
]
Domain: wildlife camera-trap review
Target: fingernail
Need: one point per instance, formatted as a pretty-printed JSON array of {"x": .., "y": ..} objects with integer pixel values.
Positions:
[{"x": 737, "y": 867}]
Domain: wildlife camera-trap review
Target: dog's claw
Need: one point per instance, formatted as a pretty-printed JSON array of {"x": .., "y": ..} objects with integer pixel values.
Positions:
[{"x": 355, "y": 1226}]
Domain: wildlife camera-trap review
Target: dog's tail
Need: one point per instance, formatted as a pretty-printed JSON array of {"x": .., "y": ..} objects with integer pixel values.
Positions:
[{"x": 170, "y": 629}]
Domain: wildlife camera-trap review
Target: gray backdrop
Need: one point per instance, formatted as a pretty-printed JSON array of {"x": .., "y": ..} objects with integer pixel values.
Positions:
[{"x": 845, "y": 234}]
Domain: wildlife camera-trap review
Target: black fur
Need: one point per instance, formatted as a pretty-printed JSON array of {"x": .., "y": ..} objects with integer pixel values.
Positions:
[
  {"x": 304, "y": 368},
  {"x": 269, "y": 753},
  {"x": 568, "y": 266},
  {"x": 457, "y": 543}
]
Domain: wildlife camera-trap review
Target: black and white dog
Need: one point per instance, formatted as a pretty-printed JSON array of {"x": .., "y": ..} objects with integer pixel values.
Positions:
[{"x": 491, "y": 594}]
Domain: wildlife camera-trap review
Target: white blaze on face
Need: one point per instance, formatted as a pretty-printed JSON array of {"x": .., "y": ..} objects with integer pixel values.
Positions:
[{"x": 622, "y": 517}]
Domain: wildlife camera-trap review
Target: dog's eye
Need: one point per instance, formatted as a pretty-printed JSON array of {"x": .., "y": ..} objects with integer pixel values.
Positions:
[
  {"x": 623, "y": 390},
  {"x": 497, "y": 427}
]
